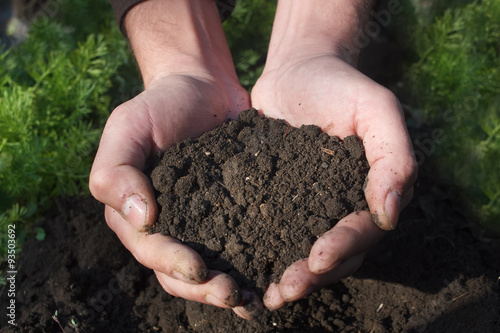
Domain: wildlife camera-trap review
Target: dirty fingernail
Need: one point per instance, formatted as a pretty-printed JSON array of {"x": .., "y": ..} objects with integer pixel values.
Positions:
[
  {"x": 190, "y": 278},
  {"x": 252, "y": 306},
  {"x": 181, "y": 277},
  {"x": 233, "y": 299},
  {"x": 134, "y": 211},
  {"x": 213, "y": 300},
  {"x": 323, "y": 266},
  {"x": 392, "y": 206},
  {"x": 202, "y": 275}
]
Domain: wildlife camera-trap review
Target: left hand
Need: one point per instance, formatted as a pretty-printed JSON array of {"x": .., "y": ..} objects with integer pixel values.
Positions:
[{"x": 323, "y": 89}]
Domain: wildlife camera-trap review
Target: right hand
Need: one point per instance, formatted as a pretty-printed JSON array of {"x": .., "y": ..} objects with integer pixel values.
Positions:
[{"x": 172, "y": 108}]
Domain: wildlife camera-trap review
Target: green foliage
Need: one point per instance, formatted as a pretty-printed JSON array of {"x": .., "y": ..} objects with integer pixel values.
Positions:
[
  {"x": 248, "y": 31},
  {"x": 55, "y": 95},
  {"x": 428, "y": 11},
  {"x": 40, "y": 234},
  {"x": 56, "y": 91},
  {"x": 456, "y": 82}
]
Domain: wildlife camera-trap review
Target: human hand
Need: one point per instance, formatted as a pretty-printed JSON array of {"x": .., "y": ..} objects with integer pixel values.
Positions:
[
  {"x": 170, "y": 109},
  {"x": 310, "y": 87},
  {"x": 190, "y": 87}
]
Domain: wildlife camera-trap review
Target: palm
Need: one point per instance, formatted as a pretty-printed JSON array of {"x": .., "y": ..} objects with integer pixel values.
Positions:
[
  {"x": 177, "y": 107},
  {"x": 325, "y": 91},
  {"x": 170, "y": 109}
]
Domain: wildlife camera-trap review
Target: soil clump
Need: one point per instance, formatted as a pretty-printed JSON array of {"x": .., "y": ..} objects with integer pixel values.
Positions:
[{"x": 253, "y": 195}]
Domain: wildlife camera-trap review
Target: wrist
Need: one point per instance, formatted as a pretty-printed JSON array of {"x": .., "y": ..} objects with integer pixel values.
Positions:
[
  {"x": 178, "y": 37},
  {"x": 307, "y": 28}
]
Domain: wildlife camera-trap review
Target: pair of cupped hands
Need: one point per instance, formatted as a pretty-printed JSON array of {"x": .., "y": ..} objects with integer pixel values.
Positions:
[{"x": 321, "y": 89}]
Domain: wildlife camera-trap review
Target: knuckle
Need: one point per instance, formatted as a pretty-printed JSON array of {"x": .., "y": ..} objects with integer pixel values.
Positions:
[
  {"x": 409, "y": 171},
  {"x": 120, "y": 111},
  {"x": 99, "y": 181}
]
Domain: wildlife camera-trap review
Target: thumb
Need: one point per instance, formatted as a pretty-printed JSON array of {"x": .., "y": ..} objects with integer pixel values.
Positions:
[
  {"x": 388, "y": 191},
  {"x": 393, "y": 168},
  {"x": 116, "y": 178}
]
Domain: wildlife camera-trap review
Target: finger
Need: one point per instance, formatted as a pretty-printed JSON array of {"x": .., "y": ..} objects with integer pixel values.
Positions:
[
  {"x": 393, "y": 168},
  {"x": 161, "y": 253},
  {"x": 251, "y": 307},
  {"x": 219, "y": 289},
  {"x": 116, "y": 178},
  {"x": 351, "y": 236},
  {"x": 272, "y": 298},
  {"x": 298, "y": 282}
]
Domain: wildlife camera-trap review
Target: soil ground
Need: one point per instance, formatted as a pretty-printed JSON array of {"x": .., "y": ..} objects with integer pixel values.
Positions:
[{"x": 436, "y": 273}]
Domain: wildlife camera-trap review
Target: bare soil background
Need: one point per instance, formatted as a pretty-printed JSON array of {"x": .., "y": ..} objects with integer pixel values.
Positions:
[
  {"x": 436, "y": 273},
  {"x": 433, "y": 274}
]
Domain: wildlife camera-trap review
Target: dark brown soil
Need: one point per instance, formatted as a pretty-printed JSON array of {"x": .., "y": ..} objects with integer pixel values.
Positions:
[
  {"x": 254, "y": 194},
  {"x": 433, "y": 274}
]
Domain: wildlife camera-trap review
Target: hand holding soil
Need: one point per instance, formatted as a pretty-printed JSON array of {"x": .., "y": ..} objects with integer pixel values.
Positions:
[
  {"x": 253, "y": 195},
  {"x": 135, "y": 131},
  {"x": 326, "y": 91},
  {"x": 191, "y": 87}
]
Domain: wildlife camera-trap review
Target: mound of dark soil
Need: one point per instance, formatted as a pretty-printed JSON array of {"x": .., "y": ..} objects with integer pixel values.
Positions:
[{"x": 254, "y": 194}]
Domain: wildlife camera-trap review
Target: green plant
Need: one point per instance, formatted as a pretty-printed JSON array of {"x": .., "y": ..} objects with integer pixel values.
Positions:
[
  {"x": 56, "y": 91},
  {"x": 427, "y": 11},
  {"x": 456, "y": 84},
  {"x": 55, "y": 94},
  {"x": 248, "y": 31}
]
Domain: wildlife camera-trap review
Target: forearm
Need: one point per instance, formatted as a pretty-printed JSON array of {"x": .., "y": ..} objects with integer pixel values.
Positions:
[
  {"x": 178, "y": 36},
  {"x": 317, "y": 27}
]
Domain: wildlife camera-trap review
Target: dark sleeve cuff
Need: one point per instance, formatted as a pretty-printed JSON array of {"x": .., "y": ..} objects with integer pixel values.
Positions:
[
  {"x": 225, "y": 8},
  {"x": 121, "y": 7}
]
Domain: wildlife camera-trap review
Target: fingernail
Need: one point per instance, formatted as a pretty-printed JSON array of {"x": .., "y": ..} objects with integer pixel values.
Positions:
[
  {"x": 322, "y": 267},
  {"x": 392, "y": 205},
  {"x": 181, "y": 277},
  {"x": 252, "y": 306},
  {"x": 134, "y": 211},
  {"x": 213, "y": 300},
  {"x": 233, "y": 299},
  {"x": 190, "y": 278},
  {"x": 202, "y": 275}
]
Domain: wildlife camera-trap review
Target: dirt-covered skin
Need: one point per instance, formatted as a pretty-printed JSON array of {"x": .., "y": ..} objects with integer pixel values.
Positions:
[{"x": 254, "y": 194}]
